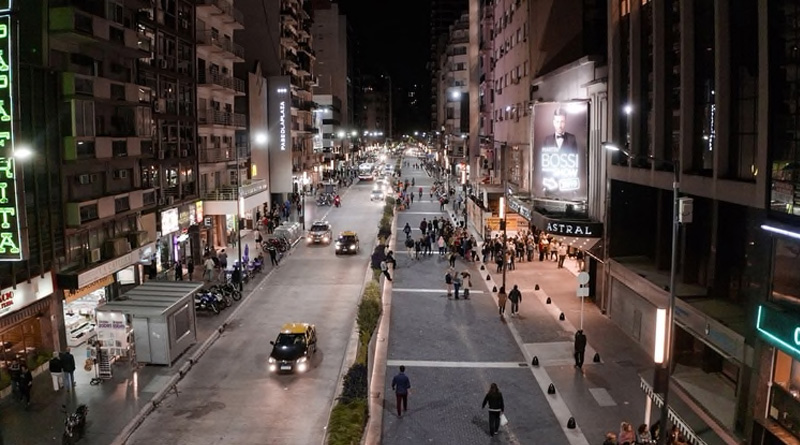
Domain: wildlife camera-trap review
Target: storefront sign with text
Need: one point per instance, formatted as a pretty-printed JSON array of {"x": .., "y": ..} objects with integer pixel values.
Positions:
[
  {"x": 10, "y": 237},
  {"x": 780, "y": 328}
]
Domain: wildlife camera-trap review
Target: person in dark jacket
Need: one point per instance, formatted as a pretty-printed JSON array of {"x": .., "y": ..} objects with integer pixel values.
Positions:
[
  {"x": 178, "y": 271},
  {"x": 190, "y": 269},
  {"x": 580, "y": 348},
  {"x": 55, "y": 371},
  {"x": 401, "y": 385},
  {"x": 25, "y": 384},
  {"x": 68, "y": 369},
  {"x": 515, "y": 297},
  {"x": 494, "y": 398},
  {"x": 15, "y": 371}
]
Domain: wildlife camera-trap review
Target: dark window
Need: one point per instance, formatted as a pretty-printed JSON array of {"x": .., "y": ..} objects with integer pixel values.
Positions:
[
  {"x": 122, "y": 204},
  {"x": 116, "y": 35},
  {"x": 119, "y": 148},
  {"x": 744, "y": 79},
  {"x": 117, "y": 91},
  {"x": 785, "y": 279},
  {"x": 704, "y": 101},
  {"x": 88, "y": 213},
  {"x": 85, "y": 149}
]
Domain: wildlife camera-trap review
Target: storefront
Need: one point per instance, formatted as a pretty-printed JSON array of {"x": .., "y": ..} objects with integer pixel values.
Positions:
[
  {"x": 777, "y": 403},
  {"x": 28, "y": 324},
  {"x": 178, "y": 242}
]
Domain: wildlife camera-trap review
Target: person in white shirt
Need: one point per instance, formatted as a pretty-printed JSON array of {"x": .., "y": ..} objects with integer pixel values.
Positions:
[{"x": 209, "y": 265}]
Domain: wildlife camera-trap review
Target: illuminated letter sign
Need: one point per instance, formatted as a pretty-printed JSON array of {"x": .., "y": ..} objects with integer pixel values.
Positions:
[
  {"x": 781, "y": 328},
  {"x": 10, "y": 239},
  {"x": 282, "y": 123}
]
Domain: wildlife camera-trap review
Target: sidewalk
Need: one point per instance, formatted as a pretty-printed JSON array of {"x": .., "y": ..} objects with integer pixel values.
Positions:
[
  {"x": 113, "y": 403},
  {"x": 454, "y": 349}
]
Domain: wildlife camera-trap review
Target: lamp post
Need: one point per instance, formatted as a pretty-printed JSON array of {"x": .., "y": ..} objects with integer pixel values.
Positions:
[
  {"x": 238, "y": 219},
  {"x": 665, "y": 322},
  {"x": 502, "y": 212}
]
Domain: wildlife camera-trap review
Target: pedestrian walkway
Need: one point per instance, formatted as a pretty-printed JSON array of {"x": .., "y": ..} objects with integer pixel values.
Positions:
[
  {"x": 453, "y": 349},
  {"x": 114, "y": 402}
]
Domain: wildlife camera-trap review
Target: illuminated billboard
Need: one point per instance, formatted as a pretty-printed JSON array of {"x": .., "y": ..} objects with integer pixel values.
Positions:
[
  {"x": 10, "y": 237},
  {"x": 560, "y": 134},
  {"x": 279, "y": 116}
]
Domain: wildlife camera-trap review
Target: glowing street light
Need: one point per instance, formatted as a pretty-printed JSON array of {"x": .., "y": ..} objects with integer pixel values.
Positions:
[
  {"x": 261, "y": 138},
  {"x": 22, "y": 152}
]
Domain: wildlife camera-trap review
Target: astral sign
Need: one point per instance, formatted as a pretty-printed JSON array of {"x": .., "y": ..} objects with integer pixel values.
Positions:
[
  {"x": 780, "y": 328},
  {"x": 9, "y": 212}
]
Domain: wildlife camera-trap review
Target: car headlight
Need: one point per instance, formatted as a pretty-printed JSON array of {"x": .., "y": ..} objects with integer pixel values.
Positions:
[
  {"x": 272, "y": 368},
  {"x": 271, "y": 360},
  {"x": 352, "y": 247},
  {"x": 324, "y": 238}
]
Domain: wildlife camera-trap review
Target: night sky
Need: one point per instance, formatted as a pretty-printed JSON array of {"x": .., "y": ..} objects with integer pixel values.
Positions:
[{"x": 393, "y": 37}]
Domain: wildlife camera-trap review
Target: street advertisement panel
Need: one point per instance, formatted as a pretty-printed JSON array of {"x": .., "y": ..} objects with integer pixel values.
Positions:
[
  {"x": 10, "y": 235},
  {"x": 280, "y": 134},
  {"x": 560, "y": 135}
]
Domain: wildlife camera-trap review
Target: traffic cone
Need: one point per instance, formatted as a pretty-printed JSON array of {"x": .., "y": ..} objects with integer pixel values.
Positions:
[
  {"x": 551, "y": 389},
  {"x": 571, "y": 423},
  {"x": 561, "y": 317},
  {"x": 548, "y": 300},
  {"x": 596, "y": 358},
  {"x": 535, "y": 361}
]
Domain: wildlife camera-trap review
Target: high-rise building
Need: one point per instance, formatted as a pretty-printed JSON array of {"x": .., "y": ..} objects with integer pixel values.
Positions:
[
  {"x": 334, "y": 90},
  {"x": 452, "y": 98},
  {"x": 375, "y": 115},
  {"x": 222, "y": 157},
  {"x": 443, "y": 14}
]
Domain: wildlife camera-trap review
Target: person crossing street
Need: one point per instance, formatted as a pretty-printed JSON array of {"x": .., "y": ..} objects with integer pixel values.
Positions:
[{"x": 515, "y": 297}]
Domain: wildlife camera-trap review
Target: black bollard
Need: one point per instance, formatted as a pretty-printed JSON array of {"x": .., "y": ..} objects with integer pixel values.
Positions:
[
  {"x": 535, "y": 361},
  {"x": 596, "y": 358},
  {"x": 571, "y": 423},
  {"x": 548, "y": 300},
  {"x": 483, "y": 267},
  {"x": 488, "y": 277},
  {"x": 494, "y": 288},
  {"x": 536, "y": 287},
  {"x": 561, "y": 317},
  {"x": 551, "y": 389}
]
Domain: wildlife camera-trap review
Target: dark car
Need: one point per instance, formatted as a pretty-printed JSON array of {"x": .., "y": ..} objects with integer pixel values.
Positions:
[
  {"x": 294, "y": 348},
  {"x": 320, "y": 232},
  {"x": 347, "y": 243}
]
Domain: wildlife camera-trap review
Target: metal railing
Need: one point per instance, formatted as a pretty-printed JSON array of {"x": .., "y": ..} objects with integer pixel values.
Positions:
[
  {"x": 210, "y": 116},
  {"x": 225, "y": 7},
  {"x": 217, "y": 154},
  {"x": 216, "y": 78},
  {"x": 214, "y": 39},
  {"x": 231, "y": 193}
]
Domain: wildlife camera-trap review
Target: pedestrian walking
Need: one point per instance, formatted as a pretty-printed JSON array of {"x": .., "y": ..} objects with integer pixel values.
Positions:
[
  {"x": 580, "y": 348},
  {"x": 423, "y": 226},
  {"x": 190, "y": 269},
  {"x": 68, "y": 369},
  {"x": 448, "y": 281},
  {"x": 467, "y": 283},
  {"x": 178, "y": 271},
  {"x": 562, "y": 254},
  {"x": 385, "y": 270},
  {"x": 25, "y": 384},
  {"x": 209, "y": 266},
  {"x": 273, "y": 255},
  {"x": 417, "y": 248},
  {"x": 390, "y": 259},
  {"x": 452, "y": 259},
  {"x": 409, "y": 246},
  {"x": 515, "y": 296},
  {"x": 55, "y": 372},
  {"x": 501, "y": 300},
  {"x": 401, "y": 385},
  {"x": 407, "y": 230},
  {"x": 440, "y": 242},
  {"x": 15, "y": 372},
  {"x": 494, "y": 398},
  {"x": 457, "y": 284},
  {"x": 579, "y": 258}
]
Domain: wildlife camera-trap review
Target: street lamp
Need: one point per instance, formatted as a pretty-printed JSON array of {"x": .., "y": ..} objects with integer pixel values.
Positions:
[
  {"x": 665, "y": 322},
  {"x": 502, "y": 212}
]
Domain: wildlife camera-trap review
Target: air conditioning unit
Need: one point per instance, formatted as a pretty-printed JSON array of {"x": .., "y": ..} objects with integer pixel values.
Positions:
[
  {"x": 84, "y": 179},
  {"x": 116, "y": 247},
  {"x": 94, "y": 255},
  {"x": 170, "y": 200},
  {"x": 137, "y": 239}
]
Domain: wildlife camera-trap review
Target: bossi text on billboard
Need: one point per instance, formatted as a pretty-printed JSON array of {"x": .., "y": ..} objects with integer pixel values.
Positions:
[
  {"x": 560, "y": 135},
  {"x": 10, "y": 239}
]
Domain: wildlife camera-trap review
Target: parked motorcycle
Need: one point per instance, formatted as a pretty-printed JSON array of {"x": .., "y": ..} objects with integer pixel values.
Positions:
[
  {"x": 74, "y": 424},
  {"x": 206, "y": 302}
]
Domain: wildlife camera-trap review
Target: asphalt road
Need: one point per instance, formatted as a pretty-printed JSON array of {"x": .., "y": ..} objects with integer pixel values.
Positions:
[{"x": 229, "y": 396}]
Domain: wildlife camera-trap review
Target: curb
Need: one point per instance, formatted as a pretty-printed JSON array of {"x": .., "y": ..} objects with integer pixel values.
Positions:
[{"x": 171, "y": 385}]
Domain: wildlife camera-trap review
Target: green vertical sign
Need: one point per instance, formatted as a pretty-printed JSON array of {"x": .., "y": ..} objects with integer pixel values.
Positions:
[{"x": 10, "y": 239}]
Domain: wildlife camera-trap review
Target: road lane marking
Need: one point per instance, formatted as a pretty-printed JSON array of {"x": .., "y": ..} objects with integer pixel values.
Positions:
[
  {"x": 431, "y": 291},
  {"x": 422, "y": 213},
  {"x": 442, "y": 364},
  {"x": 602, "y": 397}
]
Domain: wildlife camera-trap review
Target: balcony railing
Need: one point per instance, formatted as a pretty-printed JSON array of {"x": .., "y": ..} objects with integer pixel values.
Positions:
[
  {"x": 224, "y": 7},
  {"x": 231, "y": 193},
  {"x": 215, "y": 40},
  {"x": 215, "y": 78},
  {"x": 217, "y": 154},
  {"x": 216, "y": 117}
]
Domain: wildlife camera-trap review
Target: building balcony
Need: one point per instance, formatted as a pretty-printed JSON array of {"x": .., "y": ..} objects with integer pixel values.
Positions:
[
  {"x": 289, "y": 17},
  {"x": 225, "y": 199},
  {"x": 221, "y": 118},
  {"x": 289, "y": 40},
  {"x": 214, "y": 43},
  {"x": 82, "y": 212},
  {"x": 219, "y": 82},
  {"x": 78, "y": 27},
  {"x": 217, "y": 154},
  {"x": 78, "y": 85},
  {"x": 223, "y": 10},
  {"x": 306, "y": 48},
  {"x": 87, "y": 148}
]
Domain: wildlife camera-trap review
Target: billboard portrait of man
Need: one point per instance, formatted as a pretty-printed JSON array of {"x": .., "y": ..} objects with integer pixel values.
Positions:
[{"x": 560, "y": 131}]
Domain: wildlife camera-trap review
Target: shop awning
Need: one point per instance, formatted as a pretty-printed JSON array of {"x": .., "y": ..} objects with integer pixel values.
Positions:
[{"x": 582, "y": 234}]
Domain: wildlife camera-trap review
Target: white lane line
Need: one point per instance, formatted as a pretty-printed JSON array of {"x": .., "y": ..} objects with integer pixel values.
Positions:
[
  {"x": 422, "y": 213},
  {"x": 439, "y": 364},
  {"x": 602, "y": 397},
  {"x": 432, "y": 291}
]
